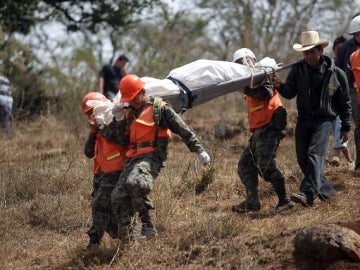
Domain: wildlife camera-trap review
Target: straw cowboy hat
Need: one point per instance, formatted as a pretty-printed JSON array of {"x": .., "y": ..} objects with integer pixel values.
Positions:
[{"x": 309, "y": 40}]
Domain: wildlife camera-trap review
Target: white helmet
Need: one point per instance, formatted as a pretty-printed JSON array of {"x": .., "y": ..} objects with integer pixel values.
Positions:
[
  {"x": 4, "y": 84},
  {"x": 354, "y": 25},
  {"x": 242, "y": 53}
]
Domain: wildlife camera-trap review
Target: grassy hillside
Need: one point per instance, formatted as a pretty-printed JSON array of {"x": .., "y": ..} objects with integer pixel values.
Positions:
[{"x": 46, "y": 182}]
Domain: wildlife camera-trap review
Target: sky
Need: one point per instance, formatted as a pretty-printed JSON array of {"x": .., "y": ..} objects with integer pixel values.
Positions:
[{"x": 56, "y": 33}]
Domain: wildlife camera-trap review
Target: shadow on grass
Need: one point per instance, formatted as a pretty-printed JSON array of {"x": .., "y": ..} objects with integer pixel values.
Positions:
[{"x": 82, "y": 259}]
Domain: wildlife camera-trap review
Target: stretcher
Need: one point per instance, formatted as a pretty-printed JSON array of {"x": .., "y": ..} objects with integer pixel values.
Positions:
[
  {"x": 196, "y": 83},
  {"x": 187, "y": 98}
]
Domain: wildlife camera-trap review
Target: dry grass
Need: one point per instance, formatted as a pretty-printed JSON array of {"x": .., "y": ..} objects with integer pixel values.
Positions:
[{"x": 45, "y": 206}]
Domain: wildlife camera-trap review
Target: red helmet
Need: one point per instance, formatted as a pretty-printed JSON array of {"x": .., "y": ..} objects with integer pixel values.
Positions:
[
  {"x": 91, "y": 96},
  {"x": 129, "y": 87}
]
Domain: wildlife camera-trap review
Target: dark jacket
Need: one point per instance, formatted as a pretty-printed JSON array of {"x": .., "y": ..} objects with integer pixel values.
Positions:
[
  {"x": 345, "y": 50},
  {"x": 334, "y": 94},
  {"x": 343, "y": 58},
  {"x": 112, "y": 76}
]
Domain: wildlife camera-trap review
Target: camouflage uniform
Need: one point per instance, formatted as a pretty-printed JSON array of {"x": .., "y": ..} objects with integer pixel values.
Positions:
[
  {"x": 103, "y": 184},
  {"x": 259, "y": 156},
  {"x": 130, "y": 194}
]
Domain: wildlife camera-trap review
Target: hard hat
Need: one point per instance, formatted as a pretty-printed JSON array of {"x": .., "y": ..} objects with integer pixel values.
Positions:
[
  {"x": 242, "y": 53},
  {"x": 354, "y": 25},
  {"x": 91, "y": 96},
  {"x": 129, "y": 87}
]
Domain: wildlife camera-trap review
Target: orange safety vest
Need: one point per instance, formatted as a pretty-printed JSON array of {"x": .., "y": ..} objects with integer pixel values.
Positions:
[
  {"x": 109, "y": 157},
  {"x": 260, "y": 112},
  {"x": 355, "y": 68},
  {"x": 142, "y": 132}
]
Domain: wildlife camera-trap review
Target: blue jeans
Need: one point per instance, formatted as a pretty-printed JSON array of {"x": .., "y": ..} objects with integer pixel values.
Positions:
[
  {"x": 311, "y": 140},
  {"x": 336, "y": 132},
  {"x": 356, "y": 118},
  {"x": 5, "y": 119}
]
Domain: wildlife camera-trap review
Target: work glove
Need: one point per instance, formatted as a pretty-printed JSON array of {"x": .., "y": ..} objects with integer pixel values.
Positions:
[
  {"x": 92, "y": 125},
  {"x": 118, "y": 112},
  {"x": 204, "y": 158}
]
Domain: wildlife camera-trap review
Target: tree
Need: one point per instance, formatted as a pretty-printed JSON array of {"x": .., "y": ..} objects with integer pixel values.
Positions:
[
  {"x": 92, "y": 15},
  {"x": 270, "y": 27},
  {"x": 168, "y": 41},
  {"x": 18, "y": 63},
  {"x": 64, "y": 69}
]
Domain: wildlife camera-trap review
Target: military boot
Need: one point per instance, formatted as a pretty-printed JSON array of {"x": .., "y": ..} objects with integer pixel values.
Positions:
[
  {"x": 251, "y": 204},
  {"x": 148, "y": 230},
  {"x": 94, "y": 242},
  {"x": 283, "y": 205},
  {"x": 284, "y": 201},
  {"x": 126, "y": 232}
]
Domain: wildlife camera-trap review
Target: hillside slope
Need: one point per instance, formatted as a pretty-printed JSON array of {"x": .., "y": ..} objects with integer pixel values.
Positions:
[{"x": 45, "y": 207}]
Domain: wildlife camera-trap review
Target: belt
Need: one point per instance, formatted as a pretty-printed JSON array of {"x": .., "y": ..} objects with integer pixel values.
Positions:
[
  {"x": 185, "y": 90},
  {"x": 143, "y": 145}
]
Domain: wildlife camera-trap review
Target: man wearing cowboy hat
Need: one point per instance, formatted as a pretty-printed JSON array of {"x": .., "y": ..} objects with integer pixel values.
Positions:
[{"x": 322, "y": 93}]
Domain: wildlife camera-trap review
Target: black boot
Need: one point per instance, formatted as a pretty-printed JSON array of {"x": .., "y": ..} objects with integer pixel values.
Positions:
[
  {"x": 148, "y": 230},
  {"x": 94, "y": 242},
  {"x": 284, "y": 201},
  {"x": 251, "y": 204}
]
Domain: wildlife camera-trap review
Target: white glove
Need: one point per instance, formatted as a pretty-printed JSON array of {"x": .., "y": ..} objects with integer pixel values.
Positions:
[
  {"x": 204, "y": 158},
  {"x": 118, "y": 112}
]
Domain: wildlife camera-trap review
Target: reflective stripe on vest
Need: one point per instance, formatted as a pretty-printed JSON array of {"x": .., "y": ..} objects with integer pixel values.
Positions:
[
  {"x": 142, "y": 132},
  {"x": 113, "y": 156},
  {"x": 109, "y": 156},
  {"x": 256, "y": 108}
]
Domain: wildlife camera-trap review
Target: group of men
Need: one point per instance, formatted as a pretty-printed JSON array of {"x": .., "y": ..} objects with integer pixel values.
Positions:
[
  {"x": 322, "y": 93},
  {"x": 130, "y": 152},
  {"x": 128, "y": 156}
]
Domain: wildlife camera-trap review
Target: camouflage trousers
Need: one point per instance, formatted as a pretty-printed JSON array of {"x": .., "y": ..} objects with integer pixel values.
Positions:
[
  {"x": 103, "y": 219},
  {"x": 130, "y": 194},
  {"x": 258, "y": 158}
]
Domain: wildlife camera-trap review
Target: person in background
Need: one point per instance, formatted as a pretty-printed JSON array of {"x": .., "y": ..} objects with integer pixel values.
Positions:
[
  {"x": 343, "y": 61},
  {"x": 6, "y": 104},
  {"x": 339, "y": 146},
  {"x": 147, "y": 123},
  {"x": 110, "y": 76},
  {"x": 322, "y": 93},
  {"x": 108, "y": 154},
  {"x": 355, "y": 69},
  {"x": 267, "y": 121}
]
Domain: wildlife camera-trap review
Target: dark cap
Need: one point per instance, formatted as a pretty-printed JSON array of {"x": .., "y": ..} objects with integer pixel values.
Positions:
[
  {"x": 122, "y": 57},
  {"x": 339, "y": 40}
]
